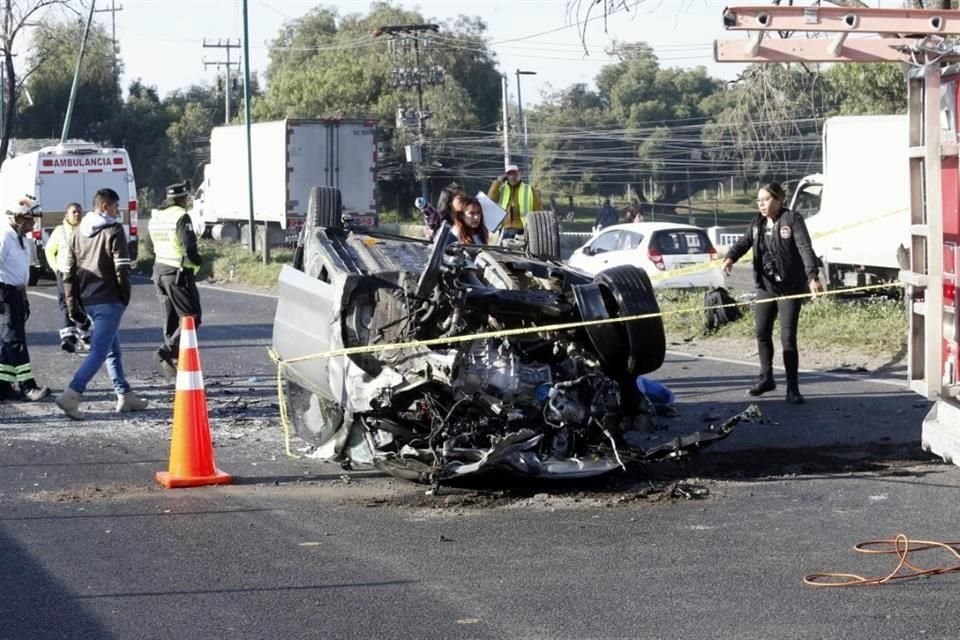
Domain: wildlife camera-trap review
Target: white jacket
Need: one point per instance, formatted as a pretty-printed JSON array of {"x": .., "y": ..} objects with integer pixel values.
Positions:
[{"x": 14, "y": 256}]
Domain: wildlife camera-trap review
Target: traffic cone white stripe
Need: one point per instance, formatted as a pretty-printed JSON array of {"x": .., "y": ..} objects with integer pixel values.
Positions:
[
  {"x": 189, "y": 381},
  {"x": 188, "y": 339}
]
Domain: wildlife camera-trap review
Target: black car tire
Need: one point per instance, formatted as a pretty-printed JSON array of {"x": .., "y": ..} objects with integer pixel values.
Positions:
[
  {"x": 543, "y": 235},
  {"x": 628, "y": 292},
  {"x": 325, "y": 208},
  {"x": 34, "y": 276}
]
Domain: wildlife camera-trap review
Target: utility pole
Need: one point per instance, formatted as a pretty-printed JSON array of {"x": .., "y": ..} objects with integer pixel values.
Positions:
[
  {"x": 246, "y": 122},
  {"x": 76, "y": 74},
  {"x": 523, "y": 123},
  {"x": 410, "y": 36},
  {"x": 228, "y": 45},
  {"x": 506, "y": 121},
  {"x": 113, "y": 35}
]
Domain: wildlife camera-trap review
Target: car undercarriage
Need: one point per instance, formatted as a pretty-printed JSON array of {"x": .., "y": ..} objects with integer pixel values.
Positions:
[{"x": 438, "y": 361}]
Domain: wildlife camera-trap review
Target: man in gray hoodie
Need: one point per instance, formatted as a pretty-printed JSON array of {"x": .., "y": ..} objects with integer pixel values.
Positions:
[{"x": 98, "y": 281}]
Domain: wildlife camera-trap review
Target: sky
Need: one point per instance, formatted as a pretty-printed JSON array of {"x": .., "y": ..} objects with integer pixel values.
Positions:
[{"x": 161, "y": 40}]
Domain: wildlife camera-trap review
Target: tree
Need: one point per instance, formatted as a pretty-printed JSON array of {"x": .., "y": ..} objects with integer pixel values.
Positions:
[
  {"x": 53, "y": 59},
  {"x": 19, "y": 17},
  {"x": 868, "y": 88},
  {"x": 324, "y": 65}
]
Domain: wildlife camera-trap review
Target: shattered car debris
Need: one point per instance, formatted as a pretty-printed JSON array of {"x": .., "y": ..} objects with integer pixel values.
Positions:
[{"x": 547, "y": 403}]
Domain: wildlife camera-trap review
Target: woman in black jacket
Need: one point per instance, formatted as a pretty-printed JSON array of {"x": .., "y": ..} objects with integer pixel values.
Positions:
[{"x": 783, "y": 264}]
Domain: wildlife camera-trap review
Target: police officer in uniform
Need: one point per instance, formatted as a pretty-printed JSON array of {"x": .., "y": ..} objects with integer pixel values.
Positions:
[
  {"x": 175, "y": 269},
  {"x": 17, "y": 381}
]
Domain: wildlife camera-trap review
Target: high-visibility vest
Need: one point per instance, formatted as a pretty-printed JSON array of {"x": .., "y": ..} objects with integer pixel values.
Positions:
[
  {"x": 166, "y": 243},
  {"x": 55, "y": 251},
  {"x": 524, "y": 199}
]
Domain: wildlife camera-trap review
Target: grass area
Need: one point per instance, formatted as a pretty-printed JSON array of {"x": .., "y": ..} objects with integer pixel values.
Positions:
[
  {"x": 870, "y": 325},
  {"x": 227, "y": 264}
]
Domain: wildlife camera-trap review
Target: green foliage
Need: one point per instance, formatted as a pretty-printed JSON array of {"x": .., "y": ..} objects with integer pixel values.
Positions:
[
  {"x": 874, "y": 325},
  {"x": 324, "y": 65},
  {"x": 868, "y": 88},
  {"x": 226, "y": 264},
  {"x": 632, "y": 115},
  {"x": 53, "y": 59}
]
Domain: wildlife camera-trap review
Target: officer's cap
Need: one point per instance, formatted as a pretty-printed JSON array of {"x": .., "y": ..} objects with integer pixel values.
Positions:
[{"x": 179, "y": 189}]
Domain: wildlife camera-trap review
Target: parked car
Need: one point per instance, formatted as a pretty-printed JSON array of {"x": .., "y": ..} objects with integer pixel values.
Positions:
[
  {"x": 656, "y": 247},
  {"x": 550, "y": 403}
]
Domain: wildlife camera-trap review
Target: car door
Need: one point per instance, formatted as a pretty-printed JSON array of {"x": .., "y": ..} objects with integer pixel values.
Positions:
[
  {"x": 626, "y": 251},
  {"x": 595, "y": 256}
]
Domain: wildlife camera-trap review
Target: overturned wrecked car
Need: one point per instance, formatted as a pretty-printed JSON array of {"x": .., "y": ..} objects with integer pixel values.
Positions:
[{"x": 437, "y": 361}]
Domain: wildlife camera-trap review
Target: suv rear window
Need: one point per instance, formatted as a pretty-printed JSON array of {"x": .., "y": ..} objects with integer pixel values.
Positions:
[{"x": 681, "y": 241}]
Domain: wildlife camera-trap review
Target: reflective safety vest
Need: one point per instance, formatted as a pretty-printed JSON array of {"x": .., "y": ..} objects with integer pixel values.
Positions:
[
  {"x": 166, "y": 242},
  {"x": 56, "y": 249},
  {"x": 524, "y": 201}
]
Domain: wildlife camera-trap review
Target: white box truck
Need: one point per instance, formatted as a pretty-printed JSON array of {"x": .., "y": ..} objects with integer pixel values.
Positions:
[
  {"x": 858, "y": 209},
  {"x": 71, "y": 172},
  {"x": 290, "y": 157}
]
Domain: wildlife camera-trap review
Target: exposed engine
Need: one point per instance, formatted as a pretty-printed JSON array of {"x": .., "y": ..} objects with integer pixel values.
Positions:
[{"x": 492, "y": 389}]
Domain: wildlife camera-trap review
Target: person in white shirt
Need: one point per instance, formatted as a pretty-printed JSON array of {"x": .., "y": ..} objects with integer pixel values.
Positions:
[{"x": 17, "y": 380}]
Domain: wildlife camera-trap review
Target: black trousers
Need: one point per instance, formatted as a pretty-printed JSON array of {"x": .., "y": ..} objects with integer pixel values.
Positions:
[
  {"x": 178, "y": 298},
  {"x": 15, "y": 367},
  {"x": 69, "y": 330},
  {"x": 765, "y": 314}
]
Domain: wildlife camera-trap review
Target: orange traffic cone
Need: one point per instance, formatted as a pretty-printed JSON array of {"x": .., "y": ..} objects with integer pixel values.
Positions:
[{"x": 191, "y": 450}]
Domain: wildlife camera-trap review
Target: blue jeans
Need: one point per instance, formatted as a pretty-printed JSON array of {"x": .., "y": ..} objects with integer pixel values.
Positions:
[{"x": 104, "y": 347}]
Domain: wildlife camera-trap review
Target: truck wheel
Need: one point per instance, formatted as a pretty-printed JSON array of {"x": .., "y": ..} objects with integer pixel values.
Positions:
[
  {"x": 226, "y": 232},
  {"x": 325, "y": 208},
  {"x": 34, "y": 276},
  {"x": 627, "y": 292},
  {"x": 543, "y": 235}
]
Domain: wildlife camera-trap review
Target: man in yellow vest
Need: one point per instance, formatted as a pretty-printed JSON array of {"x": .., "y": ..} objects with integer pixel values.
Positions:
[
  {"x": 516, "y": 198},
  {"x": 175, "y": 269},
  {"x": 73, "y": 337}
]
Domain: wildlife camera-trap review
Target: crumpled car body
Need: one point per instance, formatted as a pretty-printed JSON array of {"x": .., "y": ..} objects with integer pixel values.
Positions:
[{"x": 559, "y": 403}]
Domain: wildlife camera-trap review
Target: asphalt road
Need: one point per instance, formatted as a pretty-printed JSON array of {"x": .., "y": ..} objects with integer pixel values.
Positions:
[{"x": 91, "y": 547}]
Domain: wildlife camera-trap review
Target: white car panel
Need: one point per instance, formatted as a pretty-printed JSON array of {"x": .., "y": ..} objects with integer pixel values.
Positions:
[{"x": 658, "y": 248}]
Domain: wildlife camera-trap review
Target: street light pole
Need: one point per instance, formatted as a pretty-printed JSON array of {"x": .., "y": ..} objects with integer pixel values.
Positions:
[{"x": 521, "y": 122}]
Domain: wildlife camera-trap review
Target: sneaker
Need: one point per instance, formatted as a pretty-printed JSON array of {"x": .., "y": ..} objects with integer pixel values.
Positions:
[
  {"x": 83, "y": 346},
  {"x": 761, "y": 386},
  {"x": 32, "y": 394},
  {"x": 167, "y": 364},
  {"x": 70, "y": 346},
  {"x": 130, "y": 402},
  {"x": 69, "y": 403}
]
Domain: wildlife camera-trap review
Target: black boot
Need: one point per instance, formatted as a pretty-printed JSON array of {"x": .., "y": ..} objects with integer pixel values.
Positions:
[
  {"x": 167, "y": 363},
  {"x": 763, "y": 384}
]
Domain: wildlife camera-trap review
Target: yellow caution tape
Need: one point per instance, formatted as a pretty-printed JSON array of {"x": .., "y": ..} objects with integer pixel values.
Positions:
[
  {"x": 715, "y": 264},
  {"x": 504, "y": 333}
]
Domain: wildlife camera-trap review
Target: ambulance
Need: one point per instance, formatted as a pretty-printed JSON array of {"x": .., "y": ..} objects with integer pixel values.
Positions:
[{"x": 64, "y": 173}]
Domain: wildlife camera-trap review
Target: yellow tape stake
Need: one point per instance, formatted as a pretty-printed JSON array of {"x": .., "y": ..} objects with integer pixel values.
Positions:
[{"x": 376, "y": 348}]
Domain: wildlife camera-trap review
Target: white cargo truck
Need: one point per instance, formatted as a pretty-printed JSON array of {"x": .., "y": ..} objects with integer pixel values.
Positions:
[
  {"x": 290, "y": 157},
  {"x": 71, "y": 172},
  {"x": 857, "y": 210}
]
